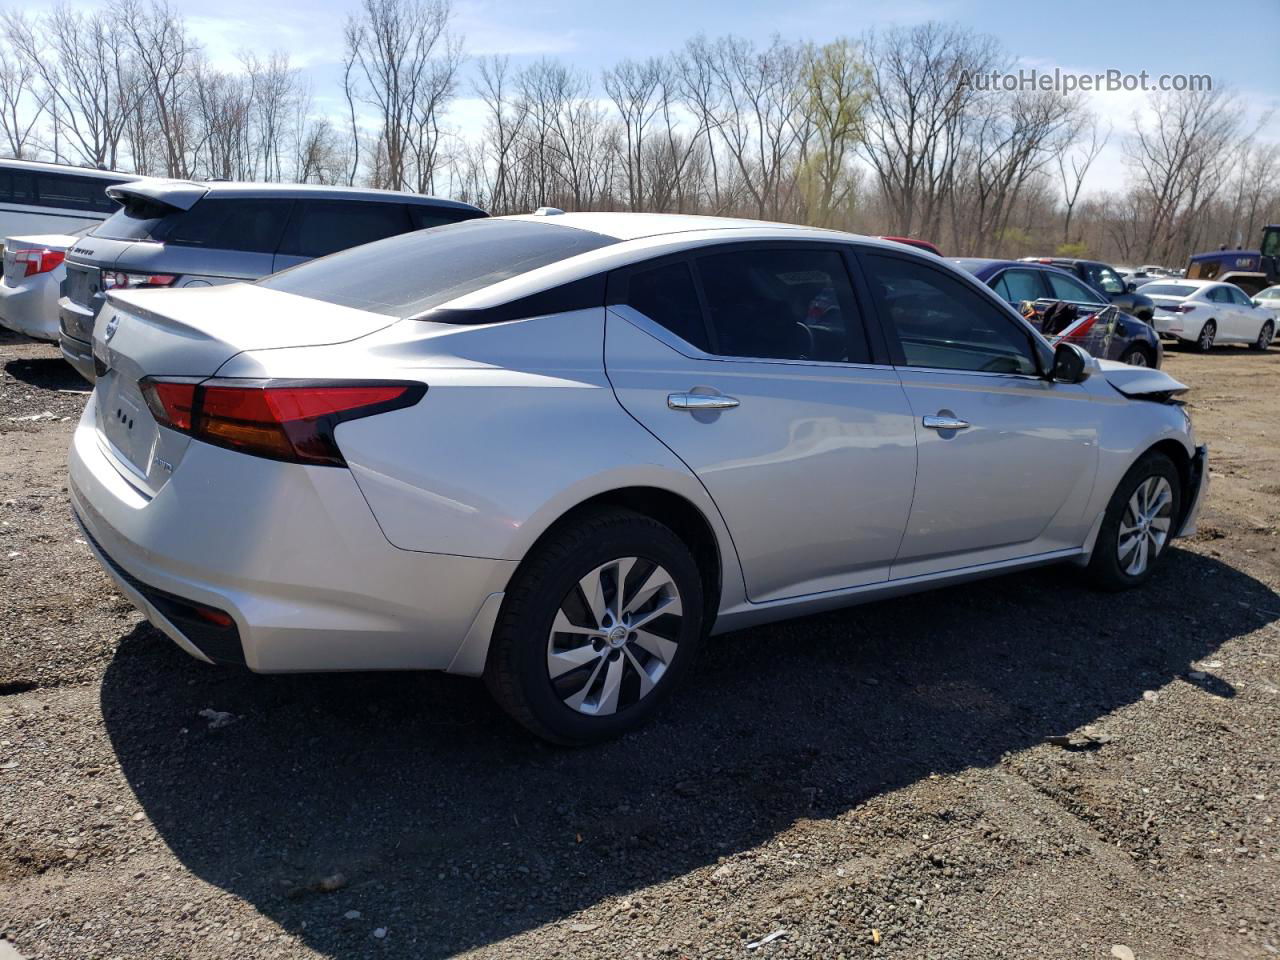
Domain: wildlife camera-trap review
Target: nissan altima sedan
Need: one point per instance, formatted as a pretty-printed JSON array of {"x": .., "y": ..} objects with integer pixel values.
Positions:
[{"x": 558, "y": 451}]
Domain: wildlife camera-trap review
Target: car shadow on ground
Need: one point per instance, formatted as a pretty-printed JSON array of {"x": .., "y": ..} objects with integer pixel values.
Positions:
[
  {"x": 452, "y": 828},
  {"x": 47, "y": 373}
]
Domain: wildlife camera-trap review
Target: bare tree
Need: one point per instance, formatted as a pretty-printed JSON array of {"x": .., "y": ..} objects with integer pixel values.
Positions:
[
  {"x": 165, "y": 59},
  {"x": 837, "y": 83},
  {"x": 21, "y": 104},
  {"x": 633, "y": 87},
  {"x": 1073, "y": 167},
  {"x": 401, "y": 61}
]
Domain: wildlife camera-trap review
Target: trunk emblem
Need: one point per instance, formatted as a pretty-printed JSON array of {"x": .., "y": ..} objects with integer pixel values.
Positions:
[{"x": 112, "y": 325}]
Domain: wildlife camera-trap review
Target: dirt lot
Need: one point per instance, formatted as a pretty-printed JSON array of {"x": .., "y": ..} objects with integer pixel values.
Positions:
[{"x": 877, "y": 782}]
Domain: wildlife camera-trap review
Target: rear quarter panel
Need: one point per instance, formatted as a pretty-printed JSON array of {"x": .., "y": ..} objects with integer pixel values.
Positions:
[{"x": 519, "y": 425}]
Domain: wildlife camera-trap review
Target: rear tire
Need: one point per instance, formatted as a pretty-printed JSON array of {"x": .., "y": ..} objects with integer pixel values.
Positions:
[
  {"x": 1265, "y": 336},
  {"x": 1208, "y": 333},
  {"x": 571, "y": 663},
  {"x": 1139, "y": 524},
  {"x": 1137, "y": 356}
]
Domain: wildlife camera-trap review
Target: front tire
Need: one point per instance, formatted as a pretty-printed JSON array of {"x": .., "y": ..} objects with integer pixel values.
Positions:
[
  {"x": 1138, "y": 525},
  {"x": 1265, "y": 336},
  {"x": 598, "y": 626}
]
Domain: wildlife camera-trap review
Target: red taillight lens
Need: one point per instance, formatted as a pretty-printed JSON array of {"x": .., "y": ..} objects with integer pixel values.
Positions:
[
  {"x": 278, "y": 419},
  {"x": 38, "y": 261},
  {"x": 171, "y": 401},
  {"x": 117, "y": 280}
]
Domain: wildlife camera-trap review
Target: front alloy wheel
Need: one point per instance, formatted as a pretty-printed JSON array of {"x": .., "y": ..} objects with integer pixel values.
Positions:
[
  {"x": 1138, "y": 523},
  {"x": 1145, "y": 527},
  {"x": 1265, "y": 336},
  {"x": 614, "y": 636}
]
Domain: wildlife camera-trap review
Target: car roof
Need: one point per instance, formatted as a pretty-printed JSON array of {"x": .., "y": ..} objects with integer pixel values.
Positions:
[
  {"x": 158, "y": 188},
  {"x": 636, "y": 226},
  {"x": 37, "y": 166}
]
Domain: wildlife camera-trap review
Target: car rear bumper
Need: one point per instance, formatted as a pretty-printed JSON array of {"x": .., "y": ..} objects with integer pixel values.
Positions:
[
  {"x": 31, "y": 307},
  {"x": 290, "y": 554},
  {"x": 79, "y": 354}
]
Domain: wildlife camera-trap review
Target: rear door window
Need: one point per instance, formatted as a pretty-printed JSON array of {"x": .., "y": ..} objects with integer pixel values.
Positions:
[
  {"x": 667, "y": 296},
  {"x": 318, "y": 228},
  {"x": 250, "y": 224},
  {"x": 783, "y": 303}
]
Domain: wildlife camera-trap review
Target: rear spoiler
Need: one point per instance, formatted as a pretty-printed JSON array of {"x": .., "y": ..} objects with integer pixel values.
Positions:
[{"x": 179, "y": 194}]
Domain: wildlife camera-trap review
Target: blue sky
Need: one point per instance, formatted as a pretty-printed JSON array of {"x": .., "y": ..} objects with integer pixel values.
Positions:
[{"x": 1238, "y": 45}]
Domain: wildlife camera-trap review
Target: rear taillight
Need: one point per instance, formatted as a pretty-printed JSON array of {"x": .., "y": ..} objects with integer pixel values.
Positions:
[
  {"x": 118, "y": 280},
  {"x": 38, "y": 261},
  {"x": 290, "y": 420}
]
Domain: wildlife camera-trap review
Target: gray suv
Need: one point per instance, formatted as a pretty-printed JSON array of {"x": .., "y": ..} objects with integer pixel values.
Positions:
[{"x": 179, "y": 233}]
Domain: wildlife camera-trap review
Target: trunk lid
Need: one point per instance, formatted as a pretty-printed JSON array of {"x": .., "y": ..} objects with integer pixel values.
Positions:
[{"x": 191, "y": 333}]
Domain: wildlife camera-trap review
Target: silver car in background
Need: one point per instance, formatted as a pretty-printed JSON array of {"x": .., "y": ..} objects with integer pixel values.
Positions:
[
  {"x": 33, "y": 275},
  {"x": 558, "y": 451},
  {"x": 180, "y": 233}
]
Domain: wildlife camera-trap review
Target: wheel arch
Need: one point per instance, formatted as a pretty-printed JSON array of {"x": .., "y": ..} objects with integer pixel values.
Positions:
[
  {"x": 674, "y": 511},
  {"x": 1181, "y": 459}
]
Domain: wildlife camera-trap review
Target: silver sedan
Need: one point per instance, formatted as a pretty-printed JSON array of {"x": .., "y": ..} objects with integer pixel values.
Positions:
[{"x": 558, "y": 450}]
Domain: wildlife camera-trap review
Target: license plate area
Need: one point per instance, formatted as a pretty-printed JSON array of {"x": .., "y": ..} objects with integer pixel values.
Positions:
[{"x": 126, "y": 422}]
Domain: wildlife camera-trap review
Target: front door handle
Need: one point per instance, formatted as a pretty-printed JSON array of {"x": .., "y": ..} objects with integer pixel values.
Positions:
[
  {"x": 945, "y": 423},
  {"x": 700, "y": 401}
]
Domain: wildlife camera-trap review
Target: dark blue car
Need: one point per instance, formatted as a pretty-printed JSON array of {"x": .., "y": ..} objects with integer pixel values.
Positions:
[{"x": 1018, "y": 282}]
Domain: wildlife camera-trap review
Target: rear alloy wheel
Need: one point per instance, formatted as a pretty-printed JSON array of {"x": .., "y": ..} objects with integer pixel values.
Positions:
[
  {"x": 596, "y": 629},
  {"x": 1264, "y": 336},
  {"x": 1138, "y": 524},
  {"x": 1204, "y": 343},
  {"x": 1136, "y": 356}
]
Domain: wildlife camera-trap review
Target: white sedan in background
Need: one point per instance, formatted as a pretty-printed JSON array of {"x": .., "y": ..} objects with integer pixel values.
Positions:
[
  {"x": 1205, "y": 313},
  {"x": 1269, "y": 299},
  {"x": 33, "y": 275}
]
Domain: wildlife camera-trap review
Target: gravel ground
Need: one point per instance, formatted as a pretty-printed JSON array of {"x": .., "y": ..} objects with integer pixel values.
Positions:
[{"x": 886, "y": 781}]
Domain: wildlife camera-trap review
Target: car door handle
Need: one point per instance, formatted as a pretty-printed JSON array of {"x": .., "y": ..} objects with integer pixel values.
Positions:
[
  {"x": 944, "y": 423},
  {"x": 700, "y": 401}
]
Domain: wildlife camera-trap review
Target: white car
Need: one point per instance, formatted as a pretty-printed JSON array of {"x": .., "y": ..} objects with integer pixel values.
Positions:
[
  {"x": 559, "y": 450},
  {"x": 33, "y": 275},
  {"x": 1206, "y": 312},
  {"x": 1269, "y": 299}
]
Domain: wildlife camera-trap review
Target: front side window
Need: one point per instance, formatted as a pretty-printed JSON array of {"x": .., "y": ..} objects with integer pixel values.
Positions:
[
  {"x": 1017, "y": 286},
  {"x": 1106, "y": 279},
  {"x": 1238, "y": 297},
  {"x": 1069, "y": 288},
  {"x": 252, "y": 225},
  {"x": 1271, "y": 242},
  {"x": 941, "y": 323},
  {"x": 667, "y": 296},
  {"x": 321, "y": 227},
  {"x": 406, "y": 275},
  {"x": 783, "y": 304}
]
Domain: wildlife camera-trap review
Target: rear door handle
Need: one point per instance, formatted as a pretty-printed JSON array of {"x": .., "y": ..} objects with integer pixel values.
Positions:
[
  {"x": 944, "y": 423},
  {"x": 700, "y": 401}
]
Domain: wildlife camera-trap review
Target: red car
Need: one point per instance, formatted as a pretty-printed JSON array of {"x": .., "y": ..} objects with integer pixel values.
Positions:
[{"x": 912, "y": 242}]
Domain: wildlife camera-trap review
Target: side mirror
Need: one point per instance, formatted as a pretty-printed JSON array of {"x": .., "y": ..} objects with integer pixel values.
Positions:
[
  {"x": 1256, "y": 302},
  {"x": 1131, "y": 287},
  {"x": 1070, "y": 364}
]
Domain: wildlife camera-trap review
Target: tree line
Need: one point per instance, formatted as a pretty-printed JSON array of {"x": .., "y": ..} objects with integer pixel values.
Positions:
[{"x": 877, "y": 133}]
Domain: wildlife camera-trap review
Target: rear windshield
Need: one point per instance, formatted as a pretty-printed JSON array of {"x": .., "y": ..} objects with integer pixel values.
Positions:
[
  {"x": 405, "y": 275},
  {"x": 138, "y": 219},
  {"x": 1167, "y": 290}
]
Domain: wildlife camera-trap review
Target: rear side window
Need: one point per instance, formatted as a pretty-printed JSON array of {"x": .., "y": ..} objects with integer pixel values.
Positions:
[
  {"x": 423, "y": 216},
  {"x": 321, "y": 227},
  {"x": 252, "y": 225},
  {"x": 667, "y": 296},
  {"x": 783, "y": 304},
  {"x": 407, "y": 275}
]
